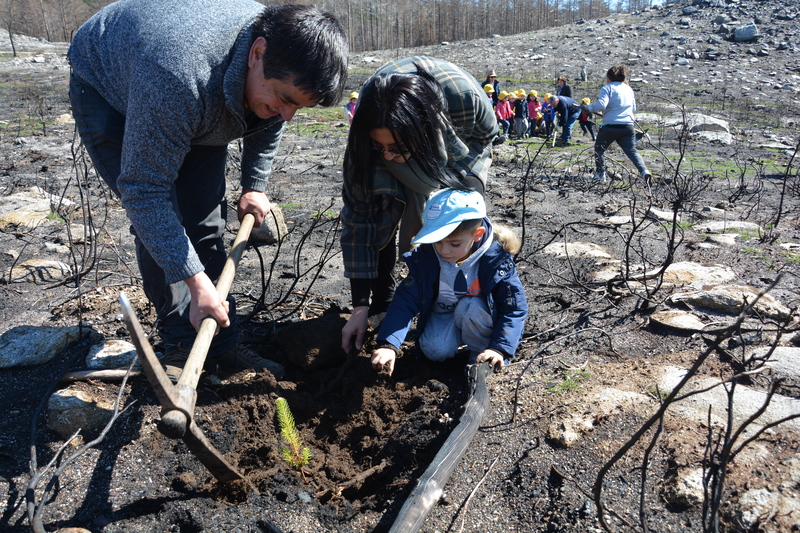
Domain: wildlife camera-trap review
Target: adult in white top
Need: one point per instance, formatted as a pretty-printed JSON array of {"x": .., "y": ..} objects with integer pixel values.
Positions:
[{"x": 617, "y": 104}]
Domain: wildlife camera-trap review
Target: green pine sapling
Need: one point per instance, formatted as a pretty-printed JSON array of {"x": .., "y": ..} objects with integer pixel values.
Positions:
[{"x": 293, "y": 453}]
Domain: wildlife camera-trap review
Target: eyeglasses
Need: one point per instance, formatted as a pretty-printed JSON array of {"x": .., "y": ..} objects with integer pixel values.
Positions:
[
  {"x": 394, "y": 151},
  {"x": 492, "y": 76}
]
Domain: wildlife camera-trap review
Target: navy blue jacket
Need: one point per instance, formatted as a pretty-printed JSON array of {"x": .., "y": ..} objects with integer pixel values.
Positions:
[
  {"x": 501, "y": 288},
  {"x": 521, "y": 108},
  {"x": 567, "y": 107}
]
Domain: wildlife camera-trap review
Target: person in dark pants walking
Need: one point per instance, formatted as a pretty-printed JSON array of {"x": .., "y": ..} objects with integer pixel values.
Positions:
[
  {"x": 618, "y": 104},
  {"x": 587, "y": 125}
]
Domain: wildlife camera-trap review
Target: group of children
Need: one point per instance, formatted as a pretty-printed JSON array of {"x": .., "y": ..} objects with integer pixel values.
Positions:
[{"x": 523, "y": 115}]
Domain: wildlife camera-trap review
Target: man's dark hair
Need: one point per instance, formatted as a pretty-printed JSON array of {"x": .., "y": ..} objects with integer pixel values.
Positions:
[
  {"x": 307, "y": 45},
  {"x": 413, "y": 107},
  {"x": 618, "y": 73}
]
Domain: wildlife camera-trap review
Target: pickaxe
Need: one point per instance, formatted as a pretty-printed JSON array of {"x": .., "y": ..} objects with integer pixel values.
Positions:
[{"x": 178, "y": 401}]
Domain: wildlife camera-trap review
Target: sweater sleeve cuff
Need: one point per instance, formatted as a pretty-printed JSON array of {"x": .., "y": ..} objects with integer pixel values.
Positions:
[{"x": 360, "y": 289}]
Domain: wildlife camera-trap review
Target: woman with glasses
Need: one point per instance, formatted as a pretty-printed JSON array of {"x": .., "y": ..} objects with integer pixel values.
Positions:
[{"x": 422, "y": 124}]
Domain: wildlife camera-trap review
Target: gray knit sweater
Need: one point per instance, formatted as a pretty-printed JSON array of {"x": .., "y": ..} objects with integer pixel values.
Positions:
[{"x": 176, "y": 70}]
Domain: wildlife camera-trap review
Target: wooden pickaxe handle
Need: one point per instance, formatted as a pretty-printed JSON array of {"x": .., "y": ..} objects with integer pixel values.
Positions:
[
  {"x": 178, "y": 401},
  {"x": 174, "y": 422}
]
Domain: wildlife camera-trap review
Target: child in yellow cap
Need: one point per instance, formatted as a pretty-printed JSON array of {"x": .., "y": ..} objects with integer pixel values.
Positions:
[
  {"x": 534, "y": 114},
  {"x": 489, "y": 90},
  {"x": 521, "y": 114},
  {"x": 587, "y": 126},
  {"x": 504, "y": 113},
  {"x": 548, "y": 116}
]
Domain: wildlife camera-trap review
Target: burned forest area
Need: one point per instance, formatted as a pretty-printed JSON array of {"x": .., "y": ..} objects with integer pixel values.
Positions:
[{"x": 657, "y": 386}]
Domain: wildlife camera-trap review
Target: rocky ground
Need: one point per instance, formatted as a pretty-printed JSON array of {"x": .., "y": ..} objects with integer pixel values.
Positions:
[{"x": 602, "y": 345}]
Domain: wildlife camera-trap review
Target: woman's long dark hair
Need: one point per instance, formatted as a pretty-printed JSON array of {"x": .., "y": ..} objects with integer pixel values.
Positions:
[{"x": 413, "y": 107}]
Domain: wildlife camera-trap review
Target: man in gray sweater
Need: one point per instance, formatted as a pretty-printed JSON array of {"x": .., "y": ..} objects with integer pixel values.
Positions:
[{"x": 158, "y": 90}]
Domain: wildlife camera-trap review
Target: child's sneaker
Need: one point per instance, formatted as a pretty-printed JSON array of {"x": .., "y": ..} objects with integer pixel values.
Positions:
[{"x": 599, "y": 176}]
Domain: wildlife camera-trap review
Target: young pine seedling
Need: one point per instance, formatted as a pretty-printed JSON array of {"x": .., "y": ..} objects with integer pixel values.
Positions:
[{"x": 293, "y": 452}]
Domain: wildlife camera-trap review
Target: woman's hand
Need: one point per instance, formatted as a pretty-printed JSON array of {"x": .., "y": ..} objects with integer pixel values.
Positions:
[{"x": 355, "y": 327}]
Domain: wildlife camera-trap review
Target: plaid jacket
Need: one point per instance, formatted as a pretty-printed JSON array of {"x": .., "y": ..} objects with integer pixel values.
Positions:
[{"x": 369, "y": 223}]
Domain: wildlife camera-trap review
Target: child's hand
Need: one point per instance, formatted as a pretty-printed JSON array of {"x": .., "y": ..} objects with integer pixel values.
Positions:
[
  {"x": 385, "y": 358},
  {"x": 495, "y": 358}
]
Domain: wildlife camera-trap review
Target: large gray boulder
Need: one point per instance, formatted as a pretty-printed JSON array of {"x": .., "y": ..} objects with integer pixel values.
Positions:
[
  {"x": 748, "y": 32},
  {"x": 36, "y": 345},
  {"x": 697, "y": 122},
  {"x": 73, "y": 409}
]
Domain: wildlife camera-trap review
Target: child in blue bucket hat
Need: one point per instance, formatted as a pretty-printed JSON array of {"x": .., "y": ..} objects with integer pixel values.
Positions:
[{"x": 462, "y": 283}]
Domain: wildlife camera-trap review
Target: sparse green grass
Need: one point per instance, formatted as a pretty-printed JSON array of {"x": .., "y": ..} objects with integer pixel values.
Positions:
[
  {"x": 325, "y": 214},
  {"x": 755, "y": 251},
  {"x": 684, "y": 224},
  {"x": 314, "y": 121},
  {"x": 290, "y": 205},
  {"x": 791, "y": 257},
  {"x": 24, "y": 126},
  {"x": 657, "y": 393},
  {"x": 53, "y": 215},
  {"x": 746, "y": 234},
  {"x": 571, "y": 382}
]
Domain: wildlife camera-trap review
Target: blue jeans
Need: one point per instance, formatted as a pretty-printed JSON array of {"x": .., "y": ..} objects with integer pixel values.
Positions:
[
  {"x": 505, "y": 126},
  {"x": 625, "y": 136},
  {"x": 198, "y": 198},
  {"x": 566, "y": 132}
]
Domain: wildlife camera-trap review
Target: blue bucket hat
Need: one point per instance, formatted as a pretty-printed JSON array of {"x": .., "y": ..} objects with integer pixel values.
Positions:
[{"x": 445, "y": 210}]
